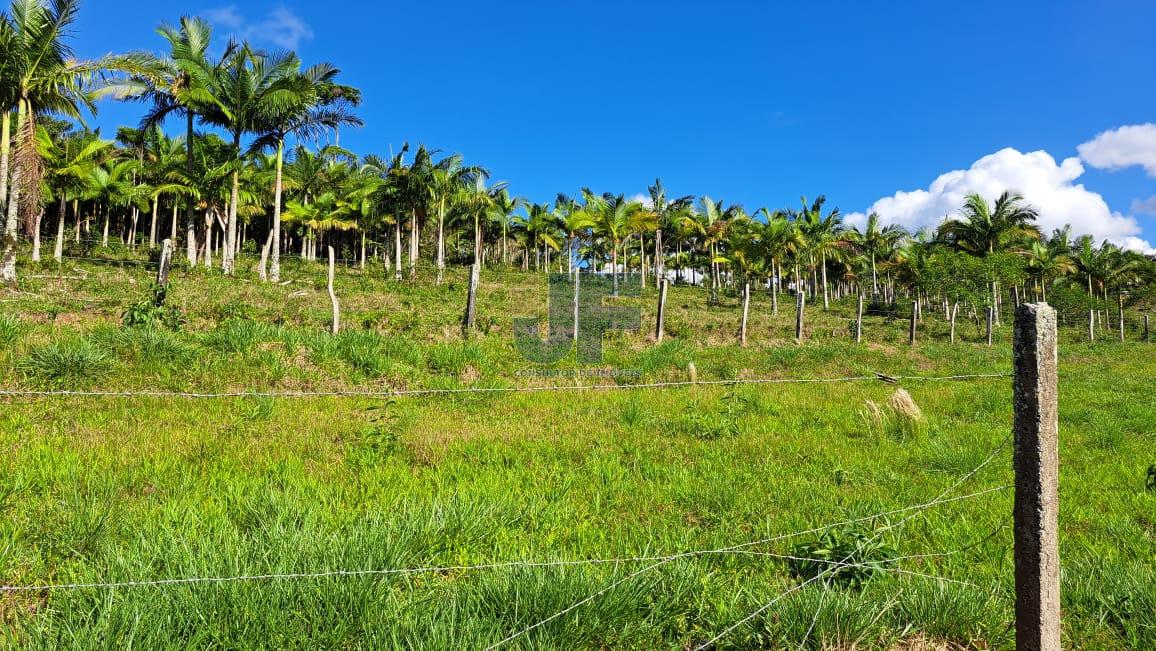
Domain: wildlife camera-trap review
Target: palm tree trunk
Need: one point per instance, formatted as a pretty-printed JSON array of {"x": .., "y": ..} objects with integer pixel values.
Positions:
[
  {"x": 173, "y": 225},
  {"x": 153, "y": 224},
  {"x": 36, "y": 235},
  {"x": 776, "y": 278},
  {"x": 231, "y": 223},
  {"x": 412, "y": 243},
  {"x": 58, "y": 247},
  {"x": 874, "y": 276},
  {"x": 191, "y": 205},
  {"x": 826, "y": 299},
  {"x": 397, "y": 249},
  {"x": 659, "y": 258},
  {"x": 278, "y": 188},
  {"x": 5, "y": 151},
  {"x": 441, "y": 240},
  {"x": 8, "y": 262},
  {"x": 614, "y": 265},
  {"x": 107, "y": 217}
]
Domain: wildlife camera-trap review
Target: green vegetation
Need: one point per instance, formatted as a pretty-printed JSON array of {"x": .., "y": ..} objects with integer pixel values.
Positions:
[
  {"x": 124, "y": 489},
  {"x": 128, "y": 488}
]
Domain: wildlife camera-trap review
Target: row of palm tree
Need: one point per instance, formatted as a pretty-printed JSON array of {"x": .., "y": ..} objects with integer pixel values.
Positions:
[{"x": 253, "y": 170}]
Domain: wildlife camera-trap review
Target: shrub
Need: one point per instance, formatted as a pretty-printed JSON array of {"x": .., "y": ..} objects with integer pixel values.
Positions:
[
  {"x": 152, "y": 312},
  {"x": 10, "y": 330},
  {"x": 68, "y": 363},
  {"x": 845, "y": 557}
]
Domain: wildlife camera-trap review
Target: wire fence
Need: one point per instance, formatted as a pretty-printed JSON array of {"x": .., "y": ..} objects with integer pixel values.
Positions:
[{"x": 398, "y": 393}]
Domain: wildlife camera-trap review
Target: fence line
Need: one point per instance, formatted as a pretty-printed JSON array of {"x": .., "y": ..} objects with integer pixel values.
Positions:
[
  {"x": 398, "y": 393},
  {"x": 772, "y": 602}
]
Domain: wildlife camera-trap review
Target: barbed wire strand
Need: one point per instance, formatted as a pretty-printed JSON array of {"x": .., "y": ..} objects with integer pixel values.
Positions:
[
  {"x": 727, "y": 631},
  {"x": 397, "y": 393},
  {"x": 456, "y": 568}
]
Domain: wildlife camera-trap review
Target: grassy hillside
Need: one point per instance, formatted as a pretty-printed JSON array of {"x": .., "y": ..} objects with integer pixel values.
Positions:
[{"x": 116, "y": 489}]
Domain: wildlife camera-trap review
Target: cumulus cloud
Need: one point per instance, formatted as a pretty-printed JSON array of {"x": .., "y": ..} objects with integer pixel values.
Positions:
[
  {"x": 1048, "y": 186},
  {"x": 281, "y": 27},
  {"x": 1144, "y": 206},
  {"x": 1128, "y": 146}
]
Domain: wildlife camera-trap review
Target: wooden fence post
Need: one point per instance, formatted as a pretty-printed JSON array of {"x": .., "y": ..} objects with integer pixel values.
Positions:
[
  {"x": 658, "y": 325},
  {"x": 859, "y": 320},
  {"x": 1037, "y": 460},
  {"x": 333, "y": 295},
  {"x": 746, "y": 313},
  {"x": 800, "y": 306},
  {"x": 990, "y": 320},
  {"x": 471, "y": 301}
]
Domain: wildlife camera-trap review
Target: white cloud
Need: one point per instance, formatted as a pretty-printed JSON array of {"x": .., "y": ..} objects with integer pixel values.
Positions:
[
  {"x": 1051, "y": 188},
  {"x": 281, "y": 27},
  {"x": 1124, "y": 147},
  {"x": 1144, "y": 206},
  {"x": 643, "y": 199}
]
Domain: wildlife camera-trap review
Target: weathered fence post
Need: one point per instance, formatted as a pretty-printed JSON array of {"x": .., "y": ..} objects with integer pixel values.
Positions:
[
  {"x": 1121, "y": 317},
  {"x": 914, "y": 321},
  {"x": 162, "y": 284},
  {"x": 1091, "y": 325},
  {"x": 800, "y": 306},
  {"x": 859, "y": 321},
  {"x": 990, "y": 320},
  {"x": 658, "y": 324},
  {"x": 333, "y": 295},
  {"x": 746, "y": 313},
  {"x": 1037, "y": 461},
  {"x": 471, "y": 301}
]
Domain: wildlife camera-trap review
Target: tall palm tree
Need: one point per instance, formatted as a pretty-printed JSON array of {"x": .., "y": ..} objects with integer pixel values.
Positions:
[
  {"x": 38, "y": 75},
  {"x": 181, "y": 83},
  {"x": 823, "y": 235},
  {"x": 984, "y": 229},
  {"x": 876, "y": 242},
  {"x": 250, "y": 87},
  {"x": 667, "y": 214},
  {"x": 779, "y": 239},
  {"x": 1046, "y": 264},
  {"x": 710, "y": 225},
  {"x": 308, "y": 104},
  {"x": 70, "y": 163}
]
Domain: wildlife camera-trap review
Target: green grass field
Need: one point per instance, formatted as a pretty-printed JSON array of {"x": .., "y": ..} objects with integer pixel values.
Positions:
[{"x": 122, "y": 489}]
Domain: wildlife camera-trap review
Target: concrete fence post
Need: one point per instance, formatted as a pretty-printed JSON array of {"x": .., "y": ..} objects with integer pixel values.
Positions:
[
  {"x": 1036, "y": 461},
  {"x": 471, "y": 301}
]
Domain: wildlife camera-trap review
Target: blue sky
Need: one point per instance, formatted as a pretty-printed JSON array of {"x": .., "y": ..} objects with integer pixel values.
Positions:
[{"x": 756, "y": 103}]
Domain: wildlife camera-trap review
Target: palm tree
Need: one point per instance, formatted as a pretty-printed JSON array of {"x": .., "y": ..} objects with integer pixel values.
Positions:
[
  {"x": 779, "y": 238},
  {"x": 612, "y": 217},
  {"x": 983, "y": 230},
  {"x": 70, "y": 163},
  {"x": 1046, "y": 264},
  {"x": 38, "y": 75},
  {"x": 573, "y": 221},
  {"x": 308, "y": 103},
  {"x": 667, "y": 214},
  {"x": 876, "y": 242},
  {"x": 181, "y": 83},
  {"x": 250, "y": 87},
  {"x": 112, "y": 185},
  {"x": 823, "y": 235},
  {"x": 710, "y": 226}
]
